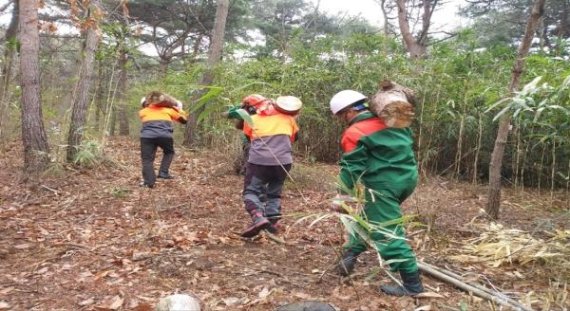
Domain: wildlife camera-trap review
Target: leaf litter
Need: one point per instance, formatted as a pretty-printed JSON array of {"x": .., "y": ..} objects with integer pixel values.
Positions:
[{"x": 93, "y": 240}]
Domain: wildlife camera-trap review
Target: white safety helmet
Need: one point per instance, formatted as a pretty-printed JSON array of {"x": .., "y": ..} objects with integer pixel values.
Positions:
[
  {"x": 345, "y": 99},
  {"x": 288, "y": 104},
  {"x": 178, "y": 105},
  {"x": 143, "y": 101}
]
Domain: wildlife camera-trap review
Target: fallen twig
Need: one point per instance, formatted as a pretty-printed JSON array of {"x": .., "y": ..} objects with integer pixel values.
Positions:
[
  {"x": 50, "y": 189},
  {"x": 273, "y": 237},
  {"x": 477, "y": 290}
]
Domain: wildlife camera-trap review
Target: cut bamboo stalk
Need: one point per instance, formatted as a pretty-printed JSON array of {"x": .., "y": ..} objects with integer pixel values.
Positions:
[
  {"x": 475, "y": 290},
  {"x": 460, "y": 278}
]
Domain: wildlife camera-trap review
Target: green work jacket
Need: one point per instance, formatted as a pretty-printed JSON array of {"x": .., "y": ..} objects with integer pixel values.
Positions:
[{"x": 375, "y": 155}]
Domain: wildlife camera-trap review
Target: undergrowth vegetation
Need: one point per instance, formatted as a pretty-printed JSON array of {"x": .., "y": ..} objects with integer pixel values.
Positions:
[{"x": 461, "y": 89}]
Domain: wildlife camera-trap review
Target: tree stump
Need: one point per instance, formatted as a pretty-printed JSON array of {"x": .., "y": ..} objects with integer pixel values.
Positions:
[{"x": 394, "y": 104}]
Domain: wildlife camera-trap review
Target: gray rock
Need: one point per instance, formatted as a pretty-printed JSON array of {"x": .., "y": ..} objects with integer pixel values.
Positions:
[{"x": 178, "y": 302}]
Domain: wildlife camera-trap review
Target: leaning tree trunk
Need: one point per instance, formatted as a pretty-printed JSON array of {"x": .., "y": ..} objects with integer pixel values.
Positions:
[
  {"x": 83, "y": 85},
  {"x": 416, "y": 48},
  {"x": 10, "y": 45},
  {"x": 214, "y": 56},
  {"x": 36, "y": 148},
  {"x": 494, "y": 200}
]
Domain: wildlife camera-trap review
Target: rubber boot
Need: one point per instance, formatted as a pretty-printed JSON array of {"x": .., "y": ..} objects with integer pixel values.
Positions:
[
  {"x": 258, "y": 223},
  {"x": 347, "y": 262},
  {"x": 412, "y": 285}
]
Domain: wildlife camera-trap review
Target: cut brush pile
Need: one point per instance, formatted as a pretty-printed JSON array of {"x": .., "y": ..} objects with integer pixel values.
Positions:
[{"x": 498, "y": 246}]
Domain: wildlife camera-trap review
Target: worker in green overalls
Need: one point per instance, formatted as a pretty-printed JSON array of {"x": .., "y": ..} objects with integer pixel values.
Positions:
[{"x": 381, "y": 159}]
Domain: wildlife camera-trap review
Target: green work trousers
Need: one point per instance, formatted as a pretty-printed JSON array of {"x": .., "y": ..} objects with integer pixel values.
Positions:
[{"x": 383, "y": 205}]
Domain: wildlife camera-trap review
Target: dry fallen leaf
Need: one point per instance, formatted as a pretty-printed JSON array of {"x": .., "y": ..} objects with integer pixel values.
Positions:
[
  {"x": 143, "y": 307},
  {"x": 42, "y": 270},
  {"x": 23, "y": 246},
  {"x": 4, "y": 305},
  {"x": 87, "y": 302},
  {"x": 264, "y": 293},
  {"x": 117, "y": 302},
  {"x": 230, "y": 301},
  {"x": 111, "y": 304},
  {"x": 423, "y": 308}
]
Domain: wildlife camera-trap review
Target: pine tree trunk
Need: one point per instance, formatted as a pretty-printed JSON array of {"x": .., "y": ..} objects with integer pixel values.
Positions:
[
  {"x": 214, "y": 56},
  {"x": 415, "y": 48},
  {"x": 83, "y": 86},
  {"x": 34, "y": 137},
  {"x": 163, "y": 66},
  {"x": 494, "y": 200}
]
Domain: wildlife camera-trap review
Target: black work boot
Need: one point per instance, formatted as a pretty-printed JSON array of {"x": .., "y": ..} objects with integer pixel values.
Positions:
[
  {"x": 412, "y": 285},
  {"x": 164, "y": 176},
  {"x": 259, "y": 222},
  {"x": 274, "y": 227},
  {"x": 346, "y": 264}
]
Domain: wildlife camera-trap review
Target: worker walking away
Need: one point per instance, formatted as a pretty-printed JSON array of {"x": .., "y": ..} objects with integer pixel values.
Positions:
[
  {"x": 157, "y": 119},
  {"x": 272, "y": 132},
  {"x": 381, "y": 159}
]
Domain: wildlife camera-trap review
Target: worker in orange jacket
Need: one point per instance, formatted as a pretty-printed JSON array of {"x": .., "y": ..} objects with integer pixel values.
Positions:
[
  {"x": 157, "y": 128},
  {"x": 272, "y": 133}
]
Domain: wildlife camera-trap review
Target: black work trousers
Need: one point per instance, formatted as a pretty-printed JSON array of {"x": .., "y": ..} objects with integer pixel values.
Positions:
[
  {"x": 262, "y": 189},
  {"x": 148, "y": 154}
]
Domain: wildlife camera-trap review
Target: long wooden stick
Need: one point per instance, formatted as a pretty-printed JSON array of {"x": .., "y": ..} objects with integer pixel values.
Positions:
[
  {"x": 476, "y": 290},
  {"x": 460, "y": 278},
  {"x": 478, "y": 286}
]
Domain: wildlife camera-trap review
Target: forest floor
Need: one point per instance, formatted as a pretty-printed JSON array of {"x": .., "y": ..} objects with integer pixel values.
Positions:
[{"x": 92, "y": 239}]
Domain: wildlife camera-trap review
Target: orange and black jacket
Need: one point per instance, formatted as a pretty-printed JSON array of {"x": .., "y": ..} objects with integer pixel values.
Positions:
[
  {"x": 157, "y": 121},
  {"x": 271, "y": 138}
]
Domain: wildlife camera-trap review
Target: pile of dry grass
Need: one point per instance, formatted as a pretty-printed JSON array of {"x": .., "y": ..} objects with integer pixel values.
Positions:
[{"x": 499, "y": 246}]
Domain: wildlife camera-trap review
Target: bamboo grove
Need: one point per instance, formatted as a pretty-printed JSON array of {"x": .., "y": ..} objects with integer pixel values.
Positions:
[{"x": 461, "y": 91}]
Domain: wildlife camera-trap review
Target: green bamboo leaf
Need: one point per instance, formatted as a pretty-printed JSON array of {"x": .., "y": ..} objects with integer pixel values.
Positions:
[
  {"x": 501, "y": 113},
  {"x": 517, "y": 111},
  {"x": 500, "y": 102},
  {"x": 556, "y": 107},
  {"x": 213, "y": 91},
  {"x": 531, "y": 86},
  {"x": 538, "y": 113}
]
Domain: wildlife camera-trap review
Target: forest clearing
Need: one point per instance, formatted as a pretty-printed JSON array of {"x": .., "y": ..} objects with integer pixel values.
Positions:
[{"x": 94, "y": 240}]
